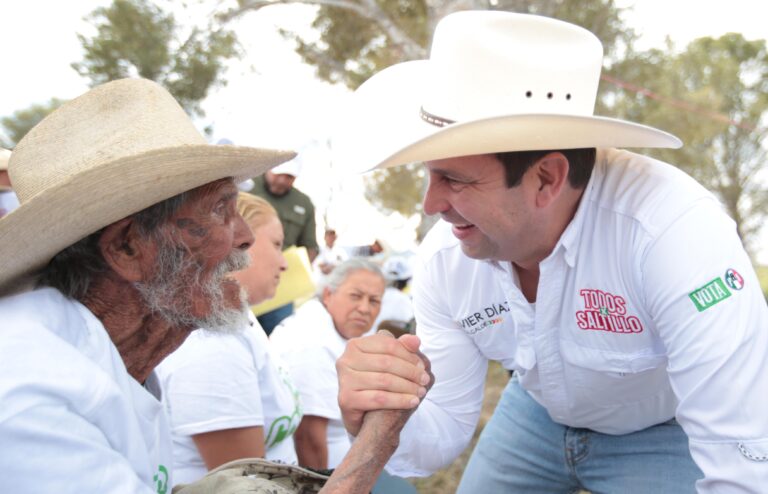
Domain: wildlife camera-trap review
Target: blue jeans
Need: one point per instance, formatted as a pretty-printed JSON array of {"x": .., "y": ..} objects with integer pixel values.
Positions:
[
  {"x": 389, "y": 484},
  {"x": 522, "y": 450}
]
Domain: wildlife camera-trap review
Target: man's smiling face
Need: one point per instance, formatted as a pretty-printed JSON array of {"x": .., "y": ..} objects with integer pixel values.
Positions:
[{"x": 491, "y": 220}]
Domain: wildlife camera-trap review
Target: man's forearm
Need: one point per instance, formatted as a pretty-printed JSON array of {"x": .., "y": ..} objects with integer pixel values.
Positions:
[{"x": 377, "y": 441}]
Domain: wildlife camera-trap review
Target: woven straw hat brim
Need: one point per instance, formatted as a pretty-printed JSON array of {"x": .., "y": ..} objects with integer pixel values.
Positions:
[
  {"x": 383, "y": 127},
  {"x": 59, "y": 216}
]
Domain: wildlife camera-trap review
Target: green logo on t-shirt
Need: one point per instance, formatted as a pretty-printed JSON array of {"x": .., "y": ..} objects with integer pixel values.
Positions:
[
  {"x": 286, "y": 425},
  {"x": 161, "y": 479},
  {"x": 281, "y": 428},
  {"x": 710, "y": 294}
]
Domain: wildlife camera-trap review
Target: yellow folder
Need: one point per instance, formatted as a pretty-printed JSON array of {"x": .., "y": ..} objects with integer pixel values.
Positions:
[{"x": 295, "y": 282}]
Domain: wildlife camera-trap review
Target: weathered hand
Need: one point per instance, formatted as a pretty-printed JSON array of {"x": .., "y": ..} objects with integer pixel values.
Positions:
[
  {"x": 380, "y": 372},
  {"x": 377, "y": 440}
]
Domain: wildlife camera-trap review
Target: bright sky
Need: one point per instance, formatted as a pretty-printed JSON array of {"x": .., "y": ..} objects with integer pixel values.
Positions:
[{"x": 273, "y": 100}]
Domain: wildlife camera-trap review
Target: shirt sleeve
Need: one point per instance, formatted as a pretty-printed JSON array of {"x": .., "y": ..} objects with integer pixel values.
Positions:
[
  {"x": 48, "y": 447},
  {"x": 307, "y": 237},
  {"x": 442, "y": 426},
  {"x": 313, "y": 372},
  {"x": 217, "y": 389},
  {"x": 708, "y": 308}
]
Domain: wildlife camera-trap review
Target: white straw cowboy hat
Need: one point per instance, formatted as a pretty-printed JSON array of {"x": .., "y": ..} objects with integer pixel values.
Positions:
[
  {"x": 119, "y": 148},
  {"x": 4, "y": 157},
  {"x": 494, "y": 82}
]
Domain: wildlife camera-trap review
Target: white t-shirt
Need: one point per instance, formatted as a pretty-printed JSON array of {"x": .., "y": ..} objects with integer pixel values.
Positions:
[
  {"x": 72, "y": 420},
  {"x": 647, "y": 308},
  {"x": 225, "y": 381},
  {"x": 309, "y": 344}
]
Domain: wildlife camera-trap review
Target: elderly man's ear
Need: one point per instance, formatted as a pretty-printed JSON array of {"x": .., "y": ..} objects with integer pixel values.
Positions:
[{"x": 125, "y": 251}]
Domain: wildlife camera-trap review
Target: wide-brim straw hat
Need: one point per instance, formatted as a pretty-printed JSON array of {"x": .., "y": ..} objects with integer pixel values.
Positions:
[
  {"x": 494, "y": 82},
  {"x": 5, "y": 155},
  {"x": 119, "y": 148}
]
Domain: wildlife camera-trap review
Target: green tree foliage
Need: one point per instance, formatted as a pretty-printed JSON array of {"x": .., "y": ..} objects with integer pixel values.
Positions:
[
  {"x": 395, "y": 190},
  {"x": 138, "y": 38},
  {"x": 17, "y": 125},
  {"x": 714, "y": 96},
  {"x": 360, "y": 37}
]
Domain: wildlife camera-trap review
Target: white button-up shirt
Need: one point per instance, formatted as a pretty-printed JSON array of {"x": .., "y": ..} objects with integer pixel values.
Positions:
[{"x": 647, "y": 308}]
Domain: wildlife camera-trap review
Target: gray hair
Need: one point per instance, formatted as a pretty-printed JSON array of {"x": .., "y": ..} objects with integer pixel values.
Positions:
[
  {"x": 340, "y": 273},
  {"x": 72, "y": 270},
  {"x": 176, "y": 275}
]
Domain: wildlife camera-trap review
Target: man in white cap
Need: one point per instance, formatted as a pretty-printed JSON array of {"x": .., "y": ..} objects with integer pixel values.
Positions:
[
  {"x": 8, "y": 199},
  {"x": 127, "y": 229},
  {"x": 295, "y": 208},
  {"x": 297, "y": 215},
  {"x": 614, "y": 285}
]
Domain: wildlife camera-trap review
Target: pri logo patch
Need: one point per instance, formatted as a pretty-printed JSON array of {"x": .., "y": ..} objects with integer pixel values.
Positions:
[
  {"x": 605, "y": 311},
  {"x": 717, "y": 290},
  {"x": 734, "y": 280}
]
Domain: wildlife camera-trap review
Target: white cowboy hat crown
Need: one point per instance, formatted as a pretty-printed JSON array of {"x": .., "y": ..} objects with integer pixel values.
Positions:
[
  {"x": 494, "y": 82},
  {"x": 119, "y": 148}
]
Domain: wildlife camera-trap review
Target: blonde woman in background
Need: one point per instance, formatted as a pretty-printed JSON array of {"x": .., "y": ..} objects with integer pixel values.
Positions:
[{"x": 227, "y": 396}]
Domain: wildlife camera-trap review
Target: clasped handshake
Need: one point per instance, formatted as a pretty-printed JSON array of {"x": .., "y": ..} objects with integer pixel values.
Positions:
[{"x": 379, "y": 372}]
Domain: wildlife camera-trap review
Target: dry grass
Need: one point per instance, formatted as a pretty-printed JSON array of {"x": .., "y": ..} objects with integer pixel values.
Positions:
[
  {"x": 762, "y": 275},
  {"x": 447, "y": 480}
]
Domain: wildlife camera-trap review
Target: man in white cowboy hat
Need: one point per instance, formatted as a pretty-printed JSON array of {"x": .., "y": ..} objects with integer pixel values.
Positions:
[
  {"x": 614, "y": 285},
  {"x": 128, "y": 228},
  {"x": 295, "y": 208},
  {"x": 8, "y": 199}
]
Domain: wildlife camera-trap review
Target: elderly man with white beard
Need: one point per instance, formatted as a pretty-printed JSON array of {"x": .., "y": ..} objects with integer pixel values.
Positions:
[{"x": 121, "y": 246}]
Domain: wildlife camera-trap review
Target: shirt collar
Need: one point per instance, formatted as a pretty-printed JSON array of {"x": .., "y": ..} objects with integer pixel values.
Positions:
[{"x": 569, "y": 240}]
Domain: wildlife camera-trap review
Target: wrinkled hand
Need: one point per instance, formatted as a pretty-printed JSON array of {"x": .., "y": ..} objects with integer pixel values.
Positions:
[{"x": 379, "y": 372}]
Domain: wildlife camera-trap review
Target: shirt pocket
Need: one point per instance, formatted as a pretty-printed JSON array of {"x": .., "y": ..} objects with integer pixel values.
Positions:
[
  {"x": 608, "y": 378},
  {"x": 609, "y": 361},
  {"x": 293, "y": 225}
]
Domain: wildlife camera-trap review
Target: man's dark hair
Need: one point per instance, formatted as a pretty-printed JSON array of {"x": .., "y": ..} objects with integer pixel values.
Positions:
[
  {"x": 72, "y": 270},
  {"x": 580, "y": 161}
]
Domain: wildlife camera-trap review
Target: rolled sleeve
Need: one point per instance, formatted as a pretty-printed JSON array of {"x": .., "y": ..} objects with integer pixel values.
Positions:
[
  {"x": 442, "y": 426},
  {"x": 714, "y": 325}
]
